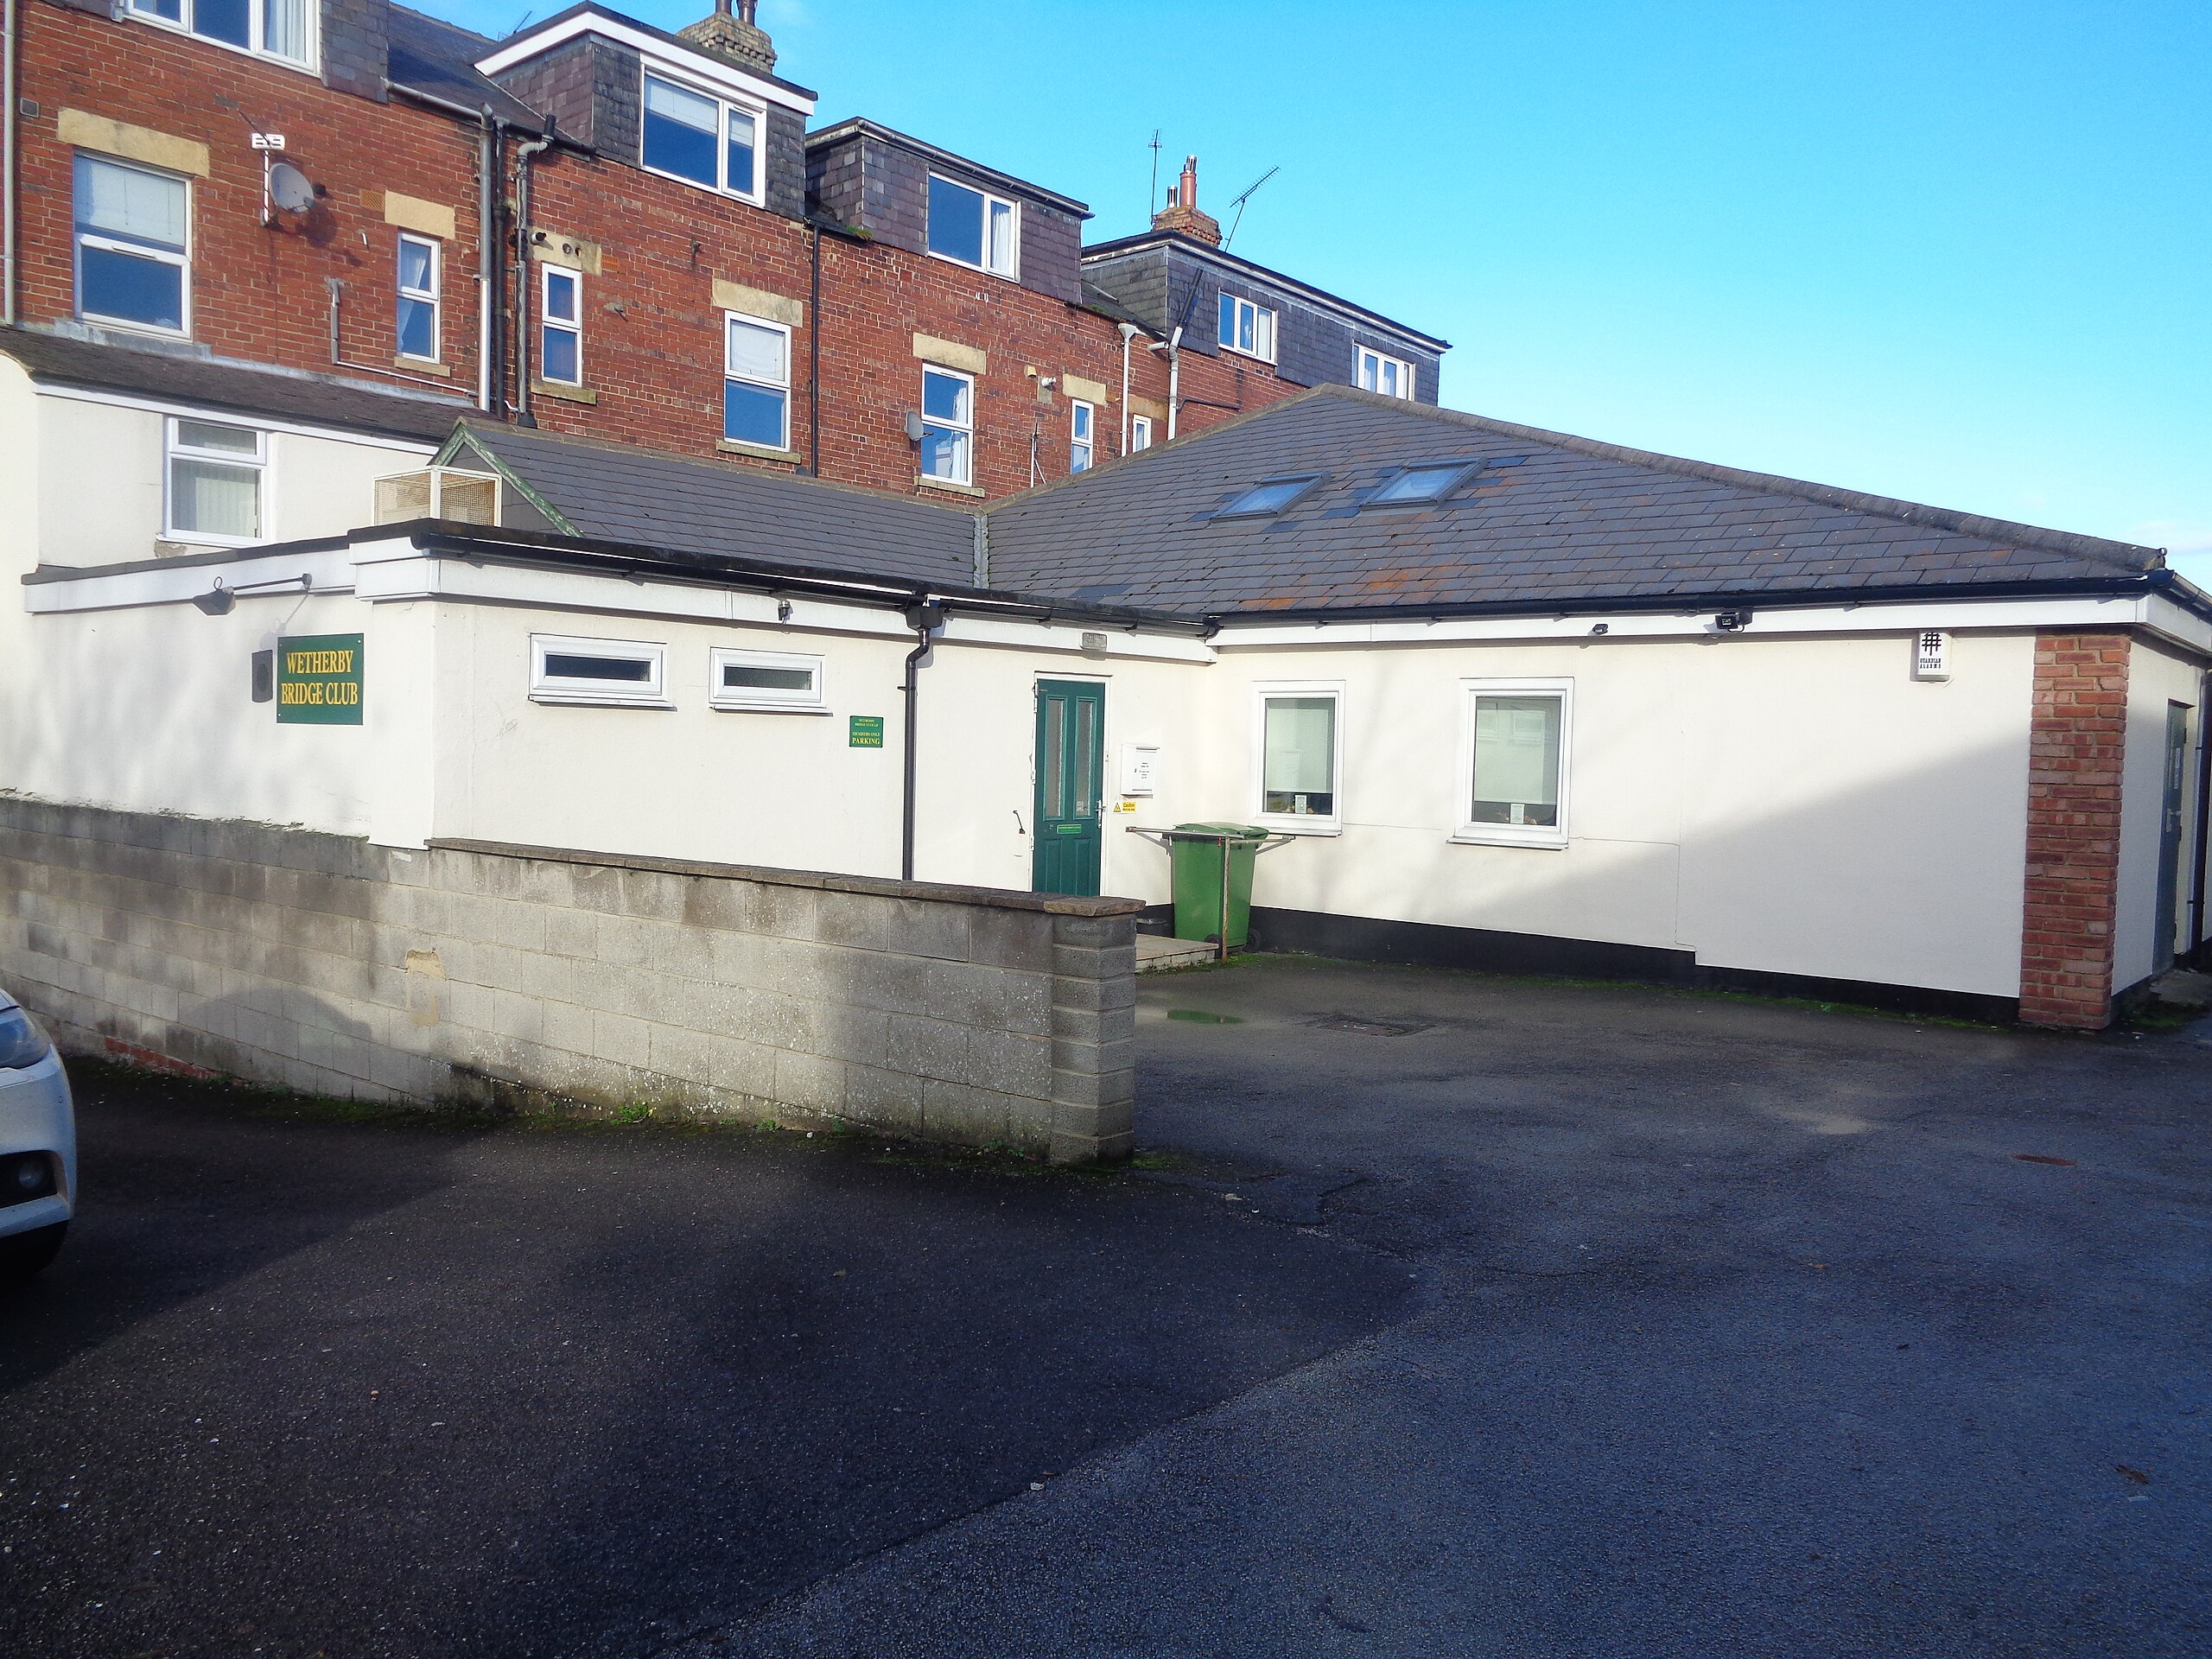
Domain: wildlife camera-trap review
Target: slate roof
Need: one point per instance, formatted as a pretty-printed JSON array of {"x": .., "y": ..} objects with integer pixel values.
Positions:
[
  {"x": 185, "y": 377},
  {"x": 615, "y": 493},
  {"x": 431, "y": 55},
  {"x": 1546, "y": 519}
]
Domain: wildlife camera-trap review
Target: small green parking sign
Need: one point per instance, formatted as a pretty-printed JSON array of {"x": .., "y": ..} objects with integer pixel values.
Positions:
[
  {"x": 318, "y": 680},
  {"x": 867, "y": 732}
]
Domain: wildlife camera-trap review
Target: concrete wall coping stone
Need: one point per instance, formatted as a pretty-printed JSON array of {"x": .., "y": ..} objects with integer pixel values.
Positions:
[{"x": 820, "y": 882}]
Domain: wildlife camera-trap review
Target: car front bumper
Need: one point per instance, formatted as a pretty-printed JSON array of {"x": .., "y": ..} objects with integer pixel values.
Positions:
[{"x": 37, "y": 1115}]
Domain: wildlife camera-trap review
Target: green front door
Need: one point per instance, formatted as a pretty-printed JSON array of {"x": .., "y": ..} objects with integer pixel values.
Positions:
[{"x": 1070, "y": 769}]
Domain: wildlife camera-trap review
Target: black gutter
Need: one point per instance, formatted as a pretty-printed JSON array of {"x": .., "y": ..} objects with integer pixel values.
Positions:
[
  {"x": 925, "y": 619},
  {"x": 1723, "y": 599}
]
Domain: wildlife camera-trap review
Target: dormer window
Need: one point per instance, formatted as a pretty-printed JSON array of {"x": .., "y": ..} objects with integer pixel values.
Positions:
[
  {"x": 1418, "y": 486},
  {"x": 1269, "y": 497},
  {"x": 282, "y": 30},
  {"x": 1391, "y": 375},
  {"x": 975, "y": 228},
  {"x": 1247, "y": 328},
  {"x": 708, "y": 141}
]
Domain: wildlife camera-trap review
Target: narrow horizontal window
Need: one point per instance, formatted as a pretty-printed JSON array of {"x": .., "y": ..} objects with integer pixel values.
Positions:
[
  {"x": 283, "y": 29},
  {"x": 565, "y": 669},
  {"x": 766, "y": 680}
]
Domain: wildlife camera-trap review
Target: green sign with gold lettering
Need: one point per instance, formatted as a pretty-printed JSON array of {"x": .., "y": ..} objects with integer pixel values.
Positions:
[
  {"x": 318, "y": 680},
  {"x": 866, "y": 732}
]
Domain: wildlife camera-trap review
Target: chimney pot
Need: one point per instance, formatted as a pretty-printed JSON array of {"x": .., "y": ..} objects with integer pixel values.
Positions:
[{"x": 1182, "y": 212}]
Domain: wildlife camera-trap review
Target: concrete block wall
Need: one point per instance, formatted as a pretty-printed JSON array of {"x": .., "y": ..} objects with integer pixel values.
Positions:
[{"x": 487, "y": 974}]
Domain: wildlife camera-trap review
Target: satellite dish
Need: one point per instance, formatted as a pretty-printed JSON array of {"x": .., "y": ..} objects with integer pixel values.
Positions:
[{"x": 290, "y": 191}]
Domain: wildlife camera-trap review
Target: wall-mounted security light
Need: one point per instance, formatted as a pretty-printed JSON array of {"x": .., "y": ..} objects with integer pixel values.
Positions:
[
  {"x": 782, "y": 610},
  {"x": 216, "y": 601},
  {"x": 1733, "y": 621},
  {"x": 264, "y": 676},
  {"x": 1601, "y": 628}
]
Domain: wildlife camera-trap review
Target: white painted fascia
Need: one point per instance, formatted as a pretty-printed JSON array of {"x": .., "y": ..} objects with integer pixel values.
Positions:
[
  {"x": 1955, "y": 615},
  {"x": 330, "y": 570},
  {"x": 962, "y": 629},
  {"x": 223, "y": 415},
  {"x": 2179, "y": 624},
  {"x": 694, "y": 65}
]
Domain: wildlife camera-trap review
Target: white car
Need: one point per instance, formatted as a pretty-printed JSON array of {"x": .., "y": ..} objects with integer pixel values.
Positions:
[{"x": 38, "y": 1146}]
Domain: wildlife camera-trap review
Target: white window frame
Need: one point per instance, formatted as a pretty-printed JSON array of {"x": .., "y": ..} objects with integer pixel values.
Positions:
[
  {"x": 256, "y": 32},
  {"x": 1139, "y": 433},
  {"x": 1274, "y": 323},
  {"x": 1083, "y": 435},
  {"x": 648, "y": 693},
  {"x": 1013, "y": 272},
  {"x": 968, "y": 479},
  {"x": 1292, "y": 823},
  {"x": 784, "y": 385},
  {"x": 78, "y": 239},
  {"x": 757, "y": 700},
  {"x": 433, "y": 296},
  {"x": 173, "y": 449},
  {"x": 756, "y": 191},
  {"x": 1366, "y": 355},
  {"x": 1549, "y": 838},
  {"x": 549, "y": 324}
]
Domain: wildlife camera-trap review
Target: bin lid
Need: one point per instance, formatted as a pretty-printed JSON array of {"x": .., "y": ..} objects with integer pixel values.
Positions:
[{"x": 1237, "y": 831}]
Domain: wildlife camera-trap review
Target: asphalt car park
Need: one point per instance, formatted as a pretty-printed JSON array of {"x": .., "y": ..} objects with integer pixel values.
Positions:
[{"x": 1450, "y": 1314}]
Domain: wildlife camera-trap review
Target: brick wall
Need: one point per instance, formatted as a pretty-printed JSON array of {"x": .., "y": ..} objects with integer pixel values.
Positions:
[
  {"x": 508, "y": 975},
  {"x": 258, "y": 292},
  {"x": 2077, "y": 746}
]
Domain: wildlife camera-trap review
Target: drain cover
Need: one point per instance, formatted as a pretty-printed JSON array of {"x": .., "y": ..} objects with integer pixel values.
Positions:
[{"x": 1367, "y": 1027}]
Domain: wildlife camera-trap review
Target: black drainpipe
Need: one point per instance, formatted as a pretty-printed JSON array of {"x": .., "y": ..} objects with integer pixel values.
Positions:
[
  {"x": 814, "y": 366},
  {"x": 925, "y": 619},
  {"x": 2203, "y": 829}
]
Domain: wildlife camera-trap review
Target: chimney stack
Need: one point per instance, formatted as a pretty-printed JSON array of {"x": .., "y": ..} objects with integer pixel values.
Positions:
[
  {"x": 1181, "y": 212},
  {"x": 739, "y": 40}
]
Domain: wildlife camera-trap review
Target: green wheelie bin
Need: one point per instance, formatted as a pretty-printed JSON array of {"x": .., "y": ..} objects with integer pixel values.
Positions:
[{"x": 1200, "y": 852}]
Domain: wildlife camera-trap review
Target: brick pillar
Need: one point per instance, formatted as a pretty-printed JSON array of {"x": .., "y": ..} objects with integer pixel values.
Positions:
[{"x": 2077, "y": 740}]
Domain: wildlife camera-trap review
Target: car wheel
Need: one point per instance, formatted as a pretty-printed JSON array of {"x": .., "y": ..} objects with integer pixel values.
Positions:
[{"x": 23, "y": 1255}]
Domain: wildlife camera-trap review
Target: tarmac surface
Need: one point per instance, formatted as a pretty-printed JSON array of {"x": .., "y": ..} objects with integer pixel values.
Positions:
[{"x": 1469, "y": 1317}]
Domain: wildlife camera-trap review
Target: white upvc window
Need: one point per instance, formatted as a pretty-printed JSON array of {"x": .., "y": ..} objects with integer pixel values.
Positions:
[
  {"x": 417, "y": 318},
  {"x": 564, "y": 668},
  {"x": 947, "y": 425},
  {"x": 756, "y": 381},
  {"x": 133, "y": 247},
  {"x": 1083, "y": 443},
  {"x": 213, "y": 478},
  {"x": 282, "y": 30},
  {"x": 1139, "y": 433},
  {"x": 1514, "y": 742},
  {"x": 766, "y": 682},
  {"x": 974, "y": 227},
  {"x": 561, "y": 325},
  {"x": 1247, "y": 328},
  {"x": 704, "y": 140},
  {"x": 1391, "y": 375},
  {"x": 1298, "y": 756}
]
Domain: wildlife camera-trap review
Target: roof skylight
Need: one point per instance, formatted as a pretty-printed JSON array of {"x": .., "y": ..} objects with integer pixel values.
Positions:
[
  {"x": 1429, "y": 481},
  {"x": 1268, "y": 496}
]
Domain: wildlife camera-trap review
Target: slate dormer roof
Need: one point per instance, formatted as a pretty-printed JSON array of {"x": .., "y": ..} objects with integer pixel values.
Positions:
[
  {"x": 1543, "y": 519},
  {"x": 438, "y": 59}
]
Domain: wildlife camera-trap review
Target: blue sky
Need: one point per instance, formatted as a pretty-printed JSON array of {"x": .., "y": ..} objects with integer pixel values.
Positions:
[{"x": 1955, "y": 250}]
